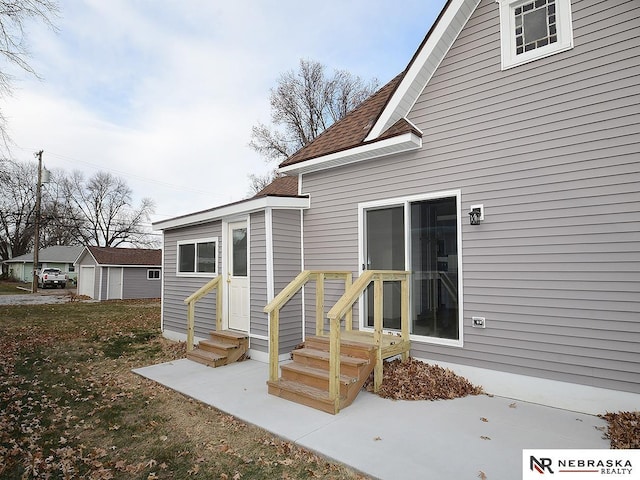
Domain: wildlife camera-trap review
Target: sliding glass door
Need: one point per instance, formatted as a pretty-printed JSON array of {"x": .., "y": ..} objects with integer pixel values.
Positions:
[{"x": 428, "y": 230}]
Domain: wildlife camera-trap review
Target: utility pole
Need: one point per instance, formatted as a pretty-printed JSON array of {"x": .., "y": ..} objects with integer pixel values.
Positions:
[{"x": 36, "y": 240}]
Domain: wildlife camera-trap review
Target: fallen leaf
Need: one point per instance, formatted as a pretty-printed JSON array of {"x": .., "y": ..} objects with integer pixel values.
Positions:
[
  {"x": 484, "y": 419},
  {"x": 512, "y": 405}
]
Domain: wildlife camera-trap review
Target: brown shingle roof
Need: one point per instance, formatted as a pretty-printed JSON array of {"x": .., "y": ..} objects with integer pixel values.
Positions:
[
  {"x": 286, "y": 186},
  {"x": 126, "y": 256},
  {"x": 352, "y": 130}
]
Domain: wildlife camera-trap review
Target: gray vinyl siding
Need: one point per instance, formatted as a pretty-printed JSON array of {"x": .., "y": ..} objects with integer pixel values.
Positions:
[
  {"x": 258, "y": 279},
  {"x": 551, "y": 149},
  {"x": 287, "y": 264},
  {"x": 176, "y": 289},
  {"x": 137, "y": 285}
]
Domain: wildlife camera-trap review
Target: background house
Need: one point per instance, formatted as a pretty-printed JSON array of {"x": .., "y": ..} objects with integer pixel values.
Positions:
[
  {"x": 107, "y": 273},
  {"x": 62, "y": 257}
]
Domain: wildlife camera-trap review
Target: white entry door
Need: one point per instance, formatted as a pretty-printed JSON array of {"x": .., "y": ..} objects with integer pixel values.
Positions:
[
  {"x": 86, "y": 281},
  {"x": 238, "y": 276},
  {"x": 114, "y": 285}
]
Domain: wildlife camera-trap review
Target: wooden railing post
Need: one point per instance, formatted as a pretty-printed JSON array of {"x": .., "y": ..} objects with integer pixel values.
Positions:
[
  {"x": 219, "y": 307},
  {"x": 334, "y": 362},
  {"x": 274, "y": 347},
  {"x": 378, "y": 316},
  {"x": 191, "y": 313},
  {"x": 348, "y": 319},
  {"x": 319, "y": 303},
  {"x": 404, "y": 314}
]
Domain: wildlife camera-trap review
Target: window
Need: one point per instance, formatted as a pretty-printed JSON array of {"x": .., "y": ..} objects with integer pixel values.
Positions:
[
  {"x": 198, "y": 257},
  {"x": 153, "y": 274},
  {"x": 533, "y": 29}
]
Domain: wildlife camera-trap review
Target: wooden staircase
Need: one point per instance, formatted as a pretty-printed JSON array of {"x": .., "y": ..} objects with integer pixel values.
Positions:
[
  {"x": 223, "y": 347},
  {"x": 305, "y": 380}
]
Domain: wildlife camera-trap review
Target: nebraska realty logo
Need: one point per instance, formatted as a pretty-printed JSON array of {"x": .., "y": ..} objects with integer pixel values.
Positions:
[{"x": 580, "y": 464}]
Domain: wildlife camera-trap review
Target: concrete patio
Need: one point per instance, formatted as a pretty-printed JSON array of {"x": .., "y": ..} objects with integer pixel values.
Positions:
[{"x": 452, "y": 439}]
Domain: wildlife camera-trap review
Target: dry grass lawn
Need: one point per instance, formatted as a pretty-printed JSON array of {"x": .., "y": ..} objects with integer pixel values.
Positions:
[{"x": 71, "y": 408}]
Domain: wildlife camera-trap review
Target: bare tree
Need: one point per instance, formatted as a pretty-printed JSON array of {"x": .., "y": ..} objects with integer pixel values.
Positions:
[
  {"x": 17, "y": 209},
  {"x": 303, "y": 105},
  {"x": 101, "y": 213},
  {"x": 14, "y": 17}
]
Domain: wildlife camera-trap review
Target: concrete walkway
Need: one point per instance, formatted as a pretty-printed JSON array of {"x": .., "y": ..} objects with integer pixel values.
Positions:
[{"x": 452, "y": 439}]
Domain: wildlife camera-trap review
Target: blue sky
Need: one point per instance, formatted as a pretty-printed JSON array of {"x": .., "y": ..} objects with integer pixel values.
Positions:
[{"x": 164, "y": 92}]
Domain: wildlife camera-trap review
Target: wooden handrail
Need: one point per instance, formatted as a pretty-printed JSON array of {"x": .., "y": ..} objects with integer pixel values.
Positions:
[
  {"x": 280, "y": 300},
  {"x": 191, "y": 307},
  {"x": 345, "y": 305}
]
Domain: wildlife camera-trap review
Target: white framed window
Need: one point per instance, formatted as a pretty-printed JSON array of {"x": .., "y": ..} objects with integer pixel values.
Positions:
[
  {"x": 153, "y": 274},
  {"x": 533, "y": 29},
  {"x": 197, "y": 258}
]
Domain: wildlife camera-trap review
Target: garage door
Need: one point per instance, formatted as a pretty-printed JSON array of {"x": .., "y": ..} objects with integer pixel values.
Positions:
[{"x": 86, "y": 281}]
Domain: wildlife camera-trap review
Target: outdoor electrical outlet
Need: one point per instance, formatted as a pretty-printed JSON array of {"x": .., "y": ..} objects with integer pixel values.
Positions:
[{"x": 478, "y": 322}]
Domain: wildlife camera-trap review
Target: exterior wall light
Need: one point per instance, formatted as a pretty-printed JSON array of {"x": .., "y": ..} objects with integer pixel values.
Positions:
[{"x": 476, "y": 213}]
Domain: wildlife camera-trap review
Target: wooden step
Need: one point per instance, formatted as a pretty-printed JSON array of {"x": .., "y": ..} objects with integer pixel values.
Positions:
[
  {"x": 314, "y": 377},
  {"x": 305, "y": 380},
  {"x": 229, "y": 336},
  {"x": 222, "y": 349},
  {"x": 320, "y": 359},
  {"x": 209, "y": 359},
  {"x": 303, "y": 394},
  {"x": 348, "y": 348}
]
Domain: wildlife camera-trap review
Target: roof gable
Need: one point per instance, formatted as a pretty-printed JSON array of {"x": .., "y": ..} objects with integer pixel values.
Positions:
[
  {"x": 379, "y": 125},
  {"x": 445, "y": 30},
  {"x": 126, "y": 256}
]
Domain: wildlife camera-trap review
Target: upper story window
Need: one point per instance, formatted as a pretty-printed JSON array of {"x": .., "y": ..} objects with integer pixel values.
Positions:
[
  {"x": 197, "y": 257},
  {"x": 533, "y": 29}
]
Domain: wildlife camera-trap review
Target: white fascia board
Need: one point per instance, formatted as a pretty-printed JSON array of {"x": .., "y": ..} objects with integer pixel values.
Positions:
[
  {"x": 390, "y": 146},
  {"x": 240, "y": 208},
  {"x": 422, "y": 69}
]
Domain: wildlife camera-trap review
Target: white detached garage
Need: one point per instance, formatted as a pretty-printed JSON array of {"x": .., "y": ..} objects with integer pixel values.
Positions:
[{"x": 109, "y": 273}]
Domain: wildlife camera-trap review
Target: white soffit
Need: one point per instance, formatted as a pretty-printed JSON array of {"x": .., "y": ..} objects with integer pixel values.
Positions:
[
  {"x": 240, "y": 208},
  {"x": 425, "y": 64},
  {"x": 389, "y": 146}
]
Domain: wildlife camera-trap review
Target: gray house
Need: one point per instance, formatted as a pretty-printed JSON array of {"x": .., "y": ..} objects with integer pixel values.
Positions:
[
  {"x": 108, "y": 273},
  {"x": 501, "y": 169},
  {"x": 57, "y": 256}
]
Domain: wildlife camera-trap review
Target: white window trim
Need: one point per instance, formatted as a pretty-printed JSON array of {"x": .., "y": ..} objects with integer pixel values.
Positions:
[
  {"x": 507, "y": 34},
  {"x": 406, "y": 202},
  {"x": 149, "y": 270},
  {"x": 195, "y": 241}
]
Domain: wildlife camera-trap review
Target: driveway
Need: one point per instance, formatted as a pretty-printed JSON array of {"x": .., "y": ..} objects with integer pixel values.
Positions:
[{"x": 41, "y": 297}]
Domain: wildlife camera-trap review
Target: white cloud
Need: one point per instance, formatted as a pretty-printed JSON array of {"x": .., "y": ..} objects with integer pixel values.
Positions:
[{"x": 165, "y": 93}]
